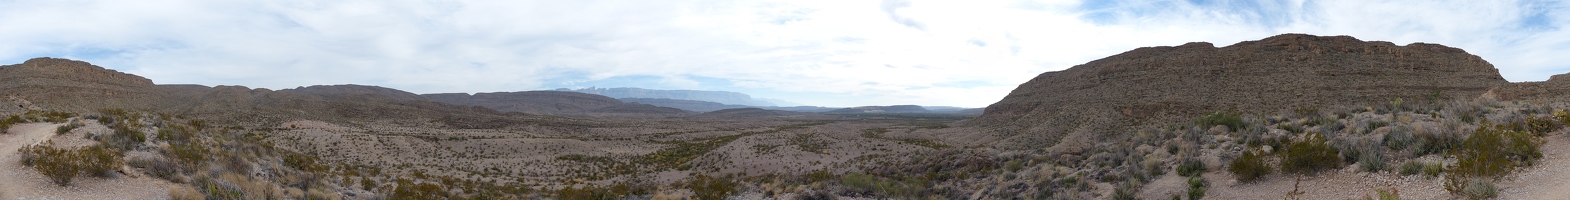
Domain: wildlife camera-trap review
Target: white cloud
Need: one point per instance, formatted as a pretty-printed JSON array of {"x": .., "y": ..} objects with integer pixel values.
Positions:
[{"x": 835, "y": 53}]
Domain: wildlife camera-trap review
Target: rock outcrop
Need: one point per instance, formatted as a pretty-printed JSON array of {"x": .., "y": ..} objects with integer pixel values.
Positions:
[
  {"x": 76, "y": 86},
  {"x": 1556, "y": 88},
  {"x": 1166, "y": 84}
]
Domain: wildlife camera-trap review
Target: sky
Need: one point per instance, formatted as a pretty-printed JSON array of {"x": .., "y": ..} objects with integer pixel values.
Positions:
[{"x": 815, "y": 52}]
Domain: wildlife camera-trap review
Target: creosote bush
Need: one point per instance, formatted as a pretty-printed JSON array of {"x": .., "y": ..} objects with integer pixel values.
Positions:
[
  {"x": 1491, "y": 152},
  {"x": 61, "y": 164},
  {"x": 1249, "y": 167},
  {"x": 1311, "y": 155}
]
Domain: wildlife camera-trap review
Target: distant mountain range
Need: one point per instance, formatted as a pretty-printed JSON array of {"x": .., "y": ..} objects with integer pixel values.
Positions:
[{"x": 723, "y": 97}]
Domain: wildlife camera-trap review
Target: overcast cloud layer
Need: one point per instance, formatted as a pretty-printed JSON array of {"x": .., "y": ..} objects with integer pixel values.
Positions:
[{"x": 828, "y": 53}]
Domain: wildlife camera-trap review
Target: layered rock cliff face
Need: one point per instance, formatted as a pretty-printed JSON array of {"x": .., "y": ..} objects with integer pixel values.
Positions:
[
  {"x": 1556, "y": 88},
  {"x": 351, "y": 89},
  {"x": 74, "y": 85},
  {"x": 1165, "y": 84}
]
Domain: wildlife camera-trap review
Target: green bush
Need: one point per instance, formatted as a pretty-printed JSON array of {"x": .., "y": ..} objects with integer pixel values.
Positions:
[
  {"x": 1249, "y": 167},
  {"x": 61, "y": 165},
  {"x": 1190, "y": 167},
  {"x": 1196, "y": 187},
  {"x": 1309, "y": 156},
  {"x": 1233, "y": 120},
  {"x": 63, "y": 129},
  {"x": 1491, "y": 152},
  {"x": 706, "y": 187}
]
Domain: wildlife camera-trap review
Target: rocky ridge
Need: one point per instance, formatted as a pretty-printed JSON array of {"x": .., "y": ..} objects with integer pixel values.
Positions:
[
  {"x": 1153, "y": 85},
  {"x": 74, "y": 85}
]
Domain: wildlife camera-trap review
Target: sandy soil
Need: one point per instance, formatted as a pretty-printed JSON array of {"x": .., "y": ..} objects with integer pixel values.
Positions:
[{"x": 21, "y": 182}]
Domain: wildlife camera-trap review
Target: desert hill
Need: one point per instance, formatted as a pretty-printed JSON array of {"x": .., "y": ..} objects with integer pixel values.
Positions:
[
  {"x": 880, "y": 109},
  {"x": 748, "y": 113},
  {"x": 691, "y": 105},
  {"x": 351, "y": 89},
  {"x": 549, "y": 103},
  {"x": 723, "y": 97},
  {"x": 1276, "y": 74},
  {"x": 76, "y": 86}
]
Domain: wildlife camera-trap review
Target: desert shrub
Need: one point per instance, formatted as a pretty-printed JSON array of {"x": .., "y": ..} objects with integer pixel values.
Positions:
[
  {"x": 1127, "y": 190},
  {"x": 586, "y": 192},
  {"x": 158, "y": 167},
  {"x": 302, "y": 162},
  {"x": 1309, "y": 156},
  {"x": 1491, "y": 152},
  {"x": 706, "y": 187},
  {"x": 1190, "y": 166},
  {"x": 188, "y": 153},
  {"x": 1537, "y": 125},
  {"x": 1436, "y": 142},
  {"x": 1411, "y": 167},
  {"x": 1494, "y": 151},
  {"x": 1249, "y": 167},
  {"x": 125, "y": 138},
  {"x": 407, "y": 189},
  {"x": 1196, "y": 187},
  {"x": 61, "y": 165},
  {"x": 1233, "y": 120},
  {"x": 367, "y": 184},
  {"x": 67, "y": 128}
]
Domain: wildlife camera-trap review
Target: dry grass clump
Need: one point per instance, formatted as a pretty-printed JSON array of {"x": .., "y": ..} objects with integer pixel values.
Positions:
[{"x": 184, "y": 192}]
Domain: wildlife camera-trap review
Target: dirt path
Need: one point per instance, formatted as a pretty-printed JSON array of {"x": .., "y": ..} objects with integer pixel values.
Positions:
[
  {"x": 18, "y": 136},
  {"x": 1549, "y": 179},
  {"x": 21, "y": 182}
]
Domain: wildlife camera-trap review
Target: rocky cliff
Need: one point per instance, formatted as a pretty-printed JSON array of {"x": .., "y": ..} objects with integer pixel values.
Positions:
[
  {"x": 352, "y": 89},
  {"x": 1280, "y": 73},
  {"x": 76, "y": 86}
]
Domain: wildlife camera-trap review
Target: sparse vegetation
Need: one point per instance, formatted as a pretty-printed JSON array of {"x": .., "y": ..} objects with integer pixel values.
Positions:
[
  {"x": 1233, "y": 120},
  {"x": 62, "y": 165},
  {"x": 1491, "y": 152},
  {"x": 1309, "y": 155},
  {"x": 1249, "y": 167}
]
